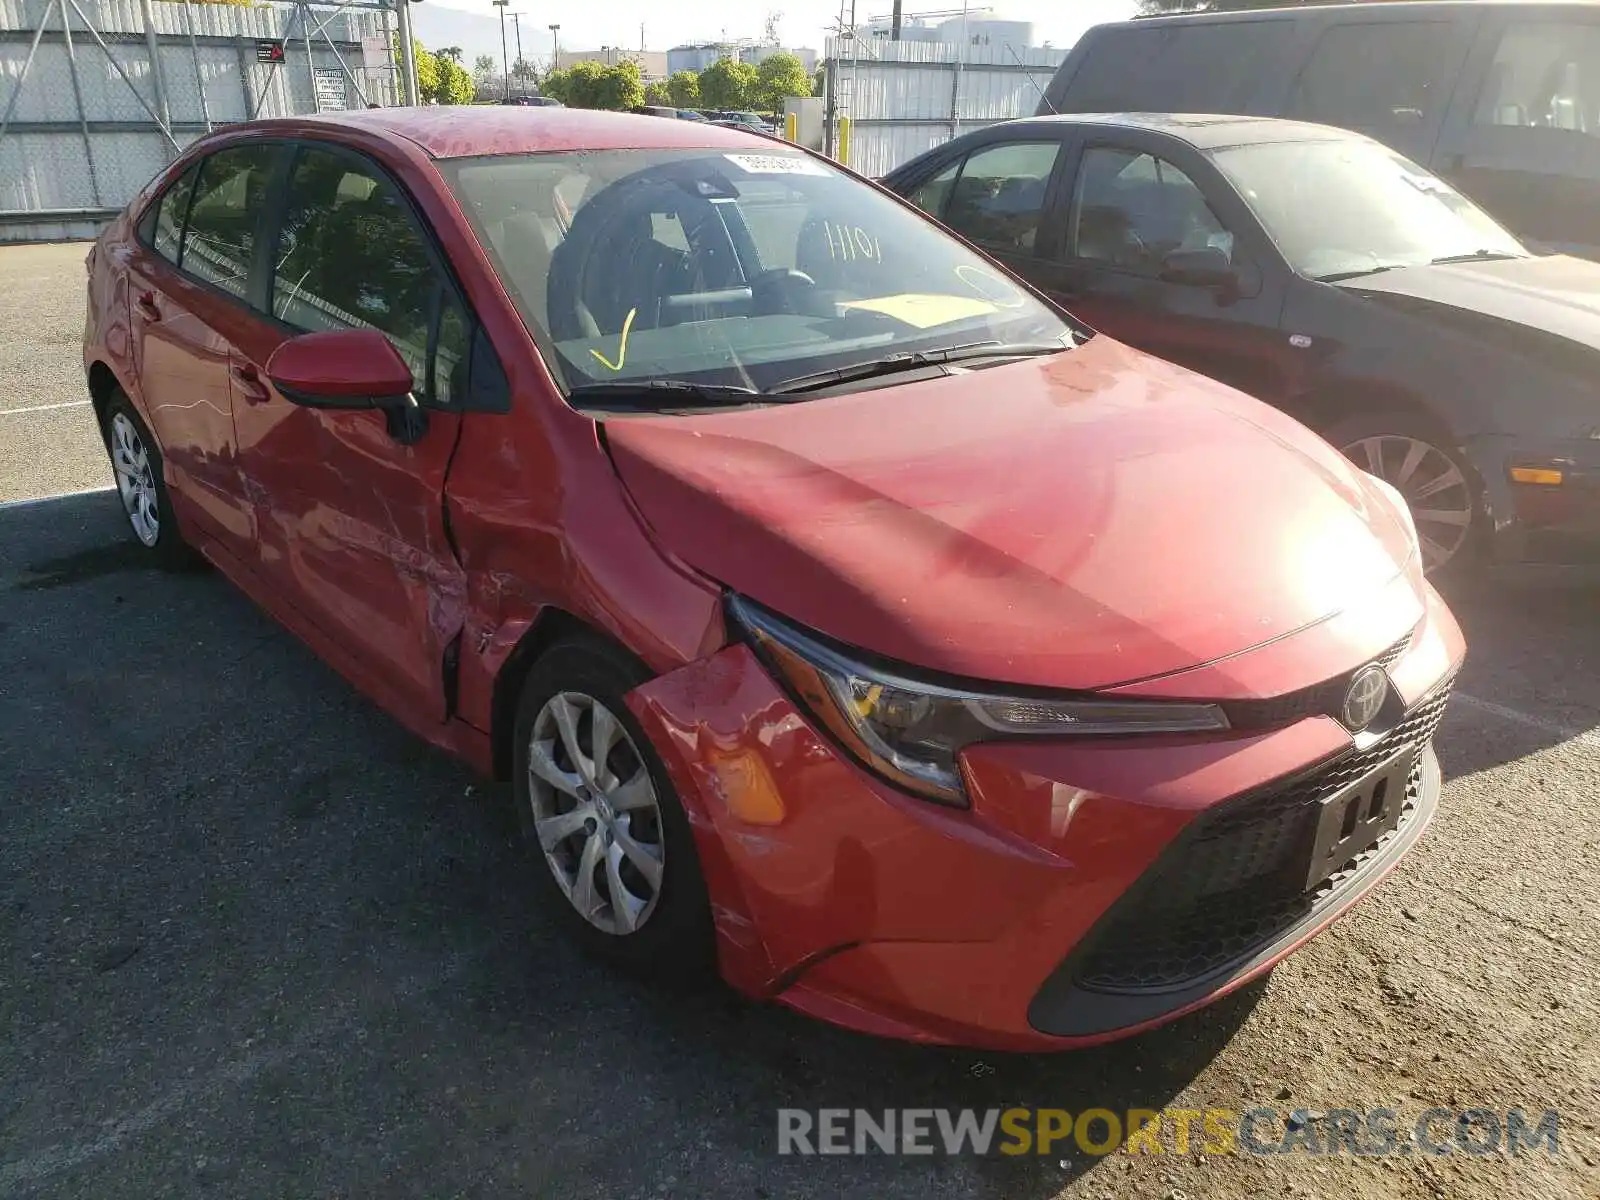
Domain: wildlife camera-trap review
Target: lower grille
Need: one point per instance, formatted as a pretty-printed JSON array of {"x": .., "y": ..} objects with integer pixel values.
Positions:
[{"x": 1235, "y": 880}]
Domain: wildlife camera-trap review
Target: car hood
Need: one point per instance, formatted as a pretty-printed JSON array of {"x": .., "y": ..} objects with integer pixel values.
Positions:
[
  {"x": 1556, "y": 295},
  {"x": 1088, "y": 519}
]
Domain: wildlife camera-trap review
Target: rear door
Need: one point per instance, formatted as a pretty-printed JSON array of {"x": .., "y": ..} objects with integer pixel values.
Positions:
[
  {"x": 1523, "y": 139},
  {"x": 190, "y": 289},
  {"x": 349, "y": 504}
]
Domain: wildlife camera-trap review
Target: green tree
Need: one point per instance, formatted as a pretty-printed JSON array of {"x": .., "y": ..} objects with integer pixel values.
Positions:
[
  {"x": 619, "y": 87},
  {"x": 523, "y": 69},
  {"x": 455, "y": 83},
  {"x": 819, "y": 81},
  {"x": 590, "y": 85},
  {"x": 427, "y": 71},
  {"x": 558, "y": 86},
  {"x": 483, "y": 65},
  {"x": 778, "y": 77},
  {"x": 453, "y": 53},
  {"x": 658, "y": 93},
  {"x": 683, "y": 90},
  {"x": 727, "y": 84}
]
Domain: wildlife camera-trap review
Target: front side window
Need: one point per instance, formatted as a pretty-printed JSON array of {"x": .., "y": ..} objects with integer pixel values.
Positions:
[
  {"x": 931, "y": 194},
  {"x": 1380, "y": 75},
  {"x": 999, "y": 197},
  {"x": 1545, "y": 76},
  {"x": 219, "y": 242},
  {"x": 350, "y": 257},
  {"x": 1340, "y": 209},
  {"x": 731, "y": 268},
  {"x": 1130, "y": 210}
]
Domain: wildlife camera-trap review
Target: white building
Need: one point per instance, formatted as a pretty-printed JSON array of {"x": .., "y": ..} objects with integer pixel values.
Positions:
[
  {"x": 980, "y": 27},
  {"x": 698, "y": 57}
]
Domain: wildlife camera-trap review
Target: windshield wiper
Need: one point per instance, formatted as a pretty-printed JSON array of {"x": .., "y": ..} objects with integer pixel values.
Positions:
[
  {"x": 893, "y": 364},
  {"x": 652, "y": 395},
  {"x": 1361, "y": 273},
  {"x": 1474, "y": 256}
]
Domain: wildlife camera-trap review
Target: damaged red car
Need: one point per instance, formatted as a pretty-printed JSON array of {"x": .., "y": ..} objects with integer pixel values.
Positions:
[{"x": 845, "y": 618}]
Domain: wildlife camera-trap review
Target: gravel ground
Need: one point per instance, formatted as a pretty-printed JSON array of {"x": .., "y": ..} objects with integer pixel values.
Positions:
[{"x": 257, "y": 941}]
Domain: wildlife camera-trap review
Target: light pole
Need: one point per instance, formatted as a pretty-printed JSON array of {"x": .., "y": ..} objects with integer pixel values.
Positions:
[
  {"x": 555, "y": 47},
  {"x": 505, "y": 57},
  {"x": 516, "y": 23},
  {"x": 409, "y": 94}
]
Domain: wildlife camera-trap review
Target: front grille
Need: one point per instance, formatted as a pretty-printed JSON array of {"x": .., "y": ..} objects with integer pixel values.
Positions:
[
  {"x": 1235, "y": 879},
  {"x": 1320, "y": 699}
]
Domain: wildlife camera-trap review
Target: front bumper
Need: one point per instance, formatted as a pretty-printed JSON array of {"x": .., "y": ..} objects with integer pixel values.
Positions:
[
  {"x": 1541, "y": 522},
  {"x": 994, "y": 926}
]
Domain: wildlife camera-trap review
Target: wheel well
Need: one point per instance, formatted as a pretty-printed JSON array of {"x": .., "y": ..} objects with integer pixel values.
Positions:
[
  {"x": 102, "y": 386},
  {"x": 1337, "y": 401},
  {"x": 549, "y": 627}
]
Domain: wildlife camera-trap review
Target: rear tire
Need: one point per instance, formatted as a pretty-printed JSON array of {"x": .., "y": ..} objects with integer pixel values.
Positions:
[
  {"x": 1418, "y": 460},
  {"x": 136, "y": 467},
  {"x": 609, "y": 840}
]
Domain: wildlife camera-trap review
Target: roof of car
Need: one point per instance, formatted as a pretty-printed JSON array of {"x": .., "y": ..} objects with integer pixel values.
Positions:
[
  {"x": 457, "y": 131},
  {"x": 1204, "y": 131}
]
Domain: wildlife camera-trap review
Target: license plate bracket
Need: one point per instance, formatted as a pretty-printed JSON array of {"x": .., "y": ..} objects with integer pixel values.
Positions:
[{"x": 1353, "y": 819}]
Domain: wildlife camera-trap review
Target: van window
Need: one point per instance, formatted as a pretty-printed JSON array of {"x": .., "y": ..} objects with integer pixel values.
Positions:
[
  {"x": 1192, "y": 68},
  {"x": 1545, "y": 76},
  {"x": 1386, "y": 75}
]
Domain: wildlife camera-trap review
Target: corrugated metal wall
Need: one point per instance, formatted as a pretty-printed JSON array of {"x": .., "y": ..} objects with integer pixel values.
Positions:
[
  {"x": 64, "y": 163},
  {"x": 906, "y": 97}
]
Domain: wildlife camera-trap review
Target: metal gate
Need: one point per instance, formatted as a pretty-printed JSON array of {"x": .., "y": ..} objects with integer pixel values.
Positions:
[{"x": 96, "y": 96}]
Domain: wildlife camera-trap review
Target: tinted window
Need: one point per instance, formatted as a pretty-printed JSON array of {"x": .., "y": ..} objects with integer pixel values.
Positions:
[
  {"x": 1000, "y": 195},
  {"x": 166, "y": 235},
  {"x": 931, "y": 194},
  {"x": 1131, "y": 210},
  {"x": 1545, "y": 76},
  {"x": 1194, "y": 68},
  {"x": 351, "y": 257},
  {"x": 219, "y": 243},
  {"x": 1383, "y": 75}
]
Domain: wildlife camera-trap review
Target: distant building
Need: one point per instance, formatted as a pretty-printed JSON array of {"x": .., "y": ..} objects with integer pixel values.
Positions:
[
  {"x": 978, "y": 28},
  {"x": 698, "y": 57},
  {"x": 652, "y": 63}
]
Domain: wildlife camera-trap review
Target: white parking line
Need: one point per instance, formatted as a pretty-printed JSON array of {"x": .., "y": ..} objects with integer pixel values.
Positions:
[
  {"x": 1567, "y": 733},
  {"x": 11, "y": 412}
]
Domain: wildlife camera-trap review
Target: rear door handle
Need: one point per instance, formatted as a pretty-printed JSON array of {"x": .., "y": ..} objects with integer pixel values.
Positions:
[
  {"x": 148, "y": 306},
  {"x": 248, "y": 380}
]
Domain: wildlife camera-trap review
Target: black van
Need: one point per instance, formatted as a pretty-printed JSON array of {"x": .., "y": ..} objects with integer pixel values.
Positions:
[{"x": 1502, "y": 99}]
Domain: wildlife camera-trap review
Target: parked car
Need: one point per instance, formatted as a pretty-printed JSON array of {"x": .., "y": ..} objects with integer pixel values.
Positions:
[
  {"x": 533, "y": 101},
  {"x": 750, "y": 120},
  {"x": 1501, "y": 99},
  {"x": 1322, "y": 272},
  {"x": 838, "y": 611}
]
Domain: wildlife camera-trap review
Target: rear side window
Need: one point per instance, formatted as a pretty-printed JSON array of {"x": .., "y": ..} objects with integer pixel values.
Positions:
[
  {"x": 350, "y": 257},
  {"x": 1380, "y": 76},
  {"x": 999, "y": 197},
  {"x": 1545, "y": 76},
  {"x": 165, "y": 230},
  {"x": 1194, "y": 68},
  {"x": 219, "y": 242}
]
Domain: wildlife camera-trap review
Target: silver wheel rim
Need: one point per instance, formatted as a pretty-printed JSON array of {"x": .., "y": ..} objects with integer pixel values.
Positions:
[
  {"x": 596, "y": 813},
  {"x": 1433, "y": 487},
  {"x": 136, "y": 481}
]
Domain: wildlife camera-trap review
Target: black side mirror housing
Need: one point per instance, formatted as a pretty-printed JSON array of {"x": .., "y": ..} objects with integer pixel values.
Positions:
[{"x": 1209, "y": 267}]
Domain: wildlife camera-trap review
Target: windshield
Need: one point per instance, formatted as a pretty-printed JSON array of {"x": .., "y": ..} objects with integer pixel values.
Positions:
[
  {"x": 735, "y": 269},
  {"x": 1342, "y": 208}
]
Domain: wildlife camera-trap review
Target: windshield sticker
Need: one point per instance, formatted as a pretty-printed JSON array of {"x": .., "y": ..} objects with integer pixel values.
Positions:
[
  {"x": 775, "y": 164},
  {"x": 848, "y": 244},
  {"x": 923, "y": 311},
  {"x": 992, "y": 287},
  {"x": 622, "y": 345}
]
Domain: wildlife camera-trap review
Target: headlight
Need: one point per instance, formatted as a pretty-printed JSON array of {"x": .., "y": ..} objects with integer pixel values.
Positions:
[{"x": 910, "y": 731}]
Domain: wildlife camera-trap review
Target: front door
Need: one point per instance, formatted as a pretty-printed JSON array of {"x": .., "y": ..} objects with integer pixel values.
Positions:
[{"x": 349, "y": 504}]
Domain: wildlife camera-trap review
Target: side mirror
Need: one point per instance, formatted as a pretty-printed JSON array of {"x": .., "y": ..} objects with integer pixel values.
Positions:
[
  {"x": 341, "y": 368},
  {"x": 1199, "y": 268}
]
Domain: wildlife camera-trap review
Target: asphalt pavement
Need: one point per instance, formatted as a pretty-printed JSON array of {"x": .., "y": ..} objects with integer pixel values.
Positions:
[{"x": 256, "y": 940}]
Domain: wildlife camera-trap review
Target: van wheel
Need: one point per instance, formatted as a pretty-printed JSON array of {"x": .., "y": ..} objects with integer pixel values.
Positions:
[
  {"x": 611, "y": 845},
  {"x": 136, "y": 464},
  {"x": 1416, "y": 459}
]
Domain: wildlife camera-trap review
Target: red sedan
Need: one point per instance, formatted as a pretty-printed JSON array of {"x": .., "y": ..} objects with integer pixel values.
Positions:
[{"x": 842, "y": 614}]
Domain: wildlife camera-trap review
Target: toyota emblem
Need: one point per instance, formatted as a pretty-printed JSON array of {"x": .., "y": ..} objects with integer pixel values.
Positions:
[{"x": 1364, "y": 699}]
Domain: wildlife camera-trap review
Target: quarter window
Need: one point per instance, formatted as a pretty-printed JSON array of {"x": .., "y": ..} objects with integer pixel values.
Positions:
[
  {"x": 350, "y": 257},
  {"x": 999, "y": 198},
  {"x": 219, "y": 243},
  {"x": 166, "y": 234},
  {"x": 1378, "y": 76},
  {"x": 1131, "y": 210},
  {"x": 930, "y": 195},
  {"x": 1545, "y": 76}
]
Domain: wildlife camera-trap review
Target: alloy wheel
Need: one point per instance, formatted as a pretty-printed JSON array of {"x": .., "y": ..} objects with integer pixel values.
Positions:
[
  {"x": 1433, "y": 485},
  {"x": 136, "y": 480},
  {"x": 596, "y": 812}
]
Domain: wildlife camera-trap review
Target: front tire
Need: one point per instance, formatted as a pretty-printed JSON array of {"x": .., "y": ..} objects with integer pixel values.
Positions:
[
  {"x": 608, "y": 837},
  {"x": 1417, "y": 459},
  {"x": 136, "y": 465}
]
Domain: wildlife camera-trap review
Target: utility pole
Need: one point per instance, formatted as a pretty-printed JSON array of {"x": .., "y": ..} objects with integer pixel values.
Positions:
[
  {"x": 409, "y": 94},
  {"x": 895, "y": 21},
  {"x": 555, "y": 47},
  {"x": 505, "y": 55},
  {"x": 516, "y": 23}
]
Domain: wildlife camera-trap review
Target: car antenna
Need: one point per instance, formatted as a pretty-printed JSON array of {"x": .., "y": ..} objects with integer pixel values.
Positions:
[{"x": 1043, "y": 99}]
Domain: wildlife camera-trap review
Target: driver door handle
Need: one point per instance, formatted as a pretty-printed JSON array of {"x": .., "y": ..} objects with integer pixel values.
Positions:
[{"x": 248, "y": 380}]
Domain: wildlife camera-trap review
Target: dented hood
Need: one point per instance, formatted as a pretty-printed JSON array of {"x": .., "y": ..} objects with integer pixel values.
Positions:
[{"x": 1077, "y": 521}]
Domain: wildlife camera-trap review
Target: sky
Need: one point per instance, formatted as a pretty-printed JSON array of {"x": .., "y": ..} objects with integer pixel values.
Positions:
[{"x": 667, "y": 23}]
